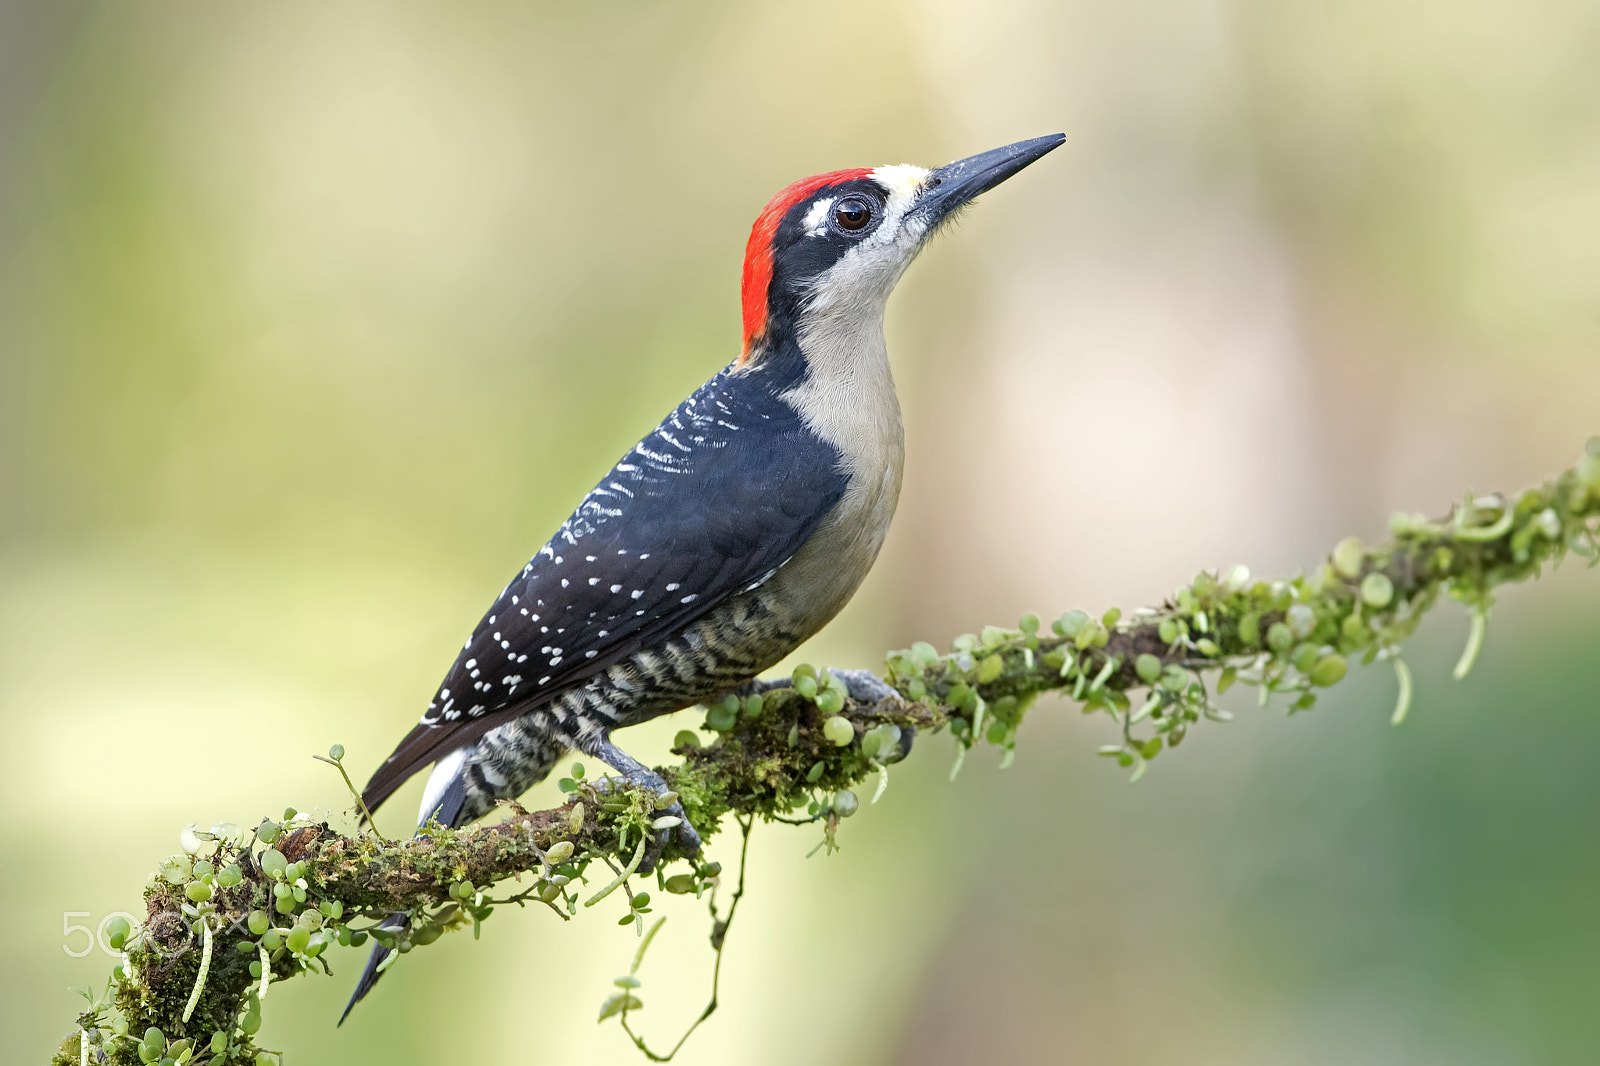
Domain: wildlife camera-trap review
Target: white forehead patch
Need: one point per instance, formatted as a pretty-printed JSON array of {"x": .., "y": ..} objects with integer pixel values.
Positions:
[
  {"x": 902, "y": 182},
  {"x": 902, "y": 179}
]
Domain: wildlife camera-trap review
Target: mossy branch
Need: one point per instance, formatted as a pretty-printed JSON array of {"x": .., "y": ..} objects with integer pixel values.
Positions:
[{"x": 191, "y": 984}]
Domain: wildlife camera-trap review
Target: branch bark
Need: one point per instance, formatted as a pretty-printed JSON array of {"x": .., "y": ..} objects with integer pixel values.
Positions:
[{"x": 243, "y": 909}]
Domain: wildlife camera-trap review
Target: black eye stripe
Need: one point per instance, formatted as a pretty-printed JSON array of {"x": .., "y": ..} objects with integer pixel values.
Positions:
[
  {"x": 811, "y": 219},
  {"x": 810, "y": 240}
]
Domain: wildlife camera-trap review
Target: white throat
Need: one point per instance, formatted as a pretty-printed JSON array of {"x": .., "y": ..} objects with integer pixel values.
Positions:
[{"x": 848, "y": 398}]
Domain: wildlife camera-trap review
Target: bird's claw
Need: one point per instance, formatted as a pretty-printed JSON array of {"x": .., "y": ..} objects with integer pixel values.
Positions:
[
  {"x": 688, "y": 839},
  {"x": 864, "y": 686}
]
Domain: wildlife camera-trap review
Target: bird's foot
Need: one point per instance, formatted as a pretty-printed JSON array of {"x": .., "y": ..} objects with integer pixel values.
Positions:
[
  {"x": 759, "y": 686},
  {"x": 864, "y": 686},
  {"x": 688, "y": 839},
  {"x": 639, "y": 775}
]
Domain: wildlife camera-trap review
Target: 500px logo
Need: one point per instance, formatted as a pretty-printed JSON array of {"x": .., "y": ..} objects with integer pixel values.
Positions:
[
  {"x": 169, "y": 934},
  {"x": 101, "y": 936}
]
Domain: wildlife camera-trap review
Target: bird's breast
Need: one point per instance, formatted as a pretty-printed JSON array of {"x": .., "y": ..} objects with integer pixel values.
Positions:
[
  {"x": 825, "y": 573},
  {"x": 848, "y": 400}
]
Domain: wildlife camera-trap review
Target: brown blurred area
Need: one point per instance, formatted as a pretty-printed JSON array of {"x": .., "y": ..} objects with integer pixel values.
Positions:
[{"x": 314, "y": 320}]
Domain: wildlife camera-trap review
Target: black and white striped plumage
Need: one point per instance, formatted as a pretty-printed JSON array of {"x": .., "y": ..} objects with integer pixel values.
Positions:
[
  {"x": 726, "y": 537},
  {"x": 681, "y": 525}
]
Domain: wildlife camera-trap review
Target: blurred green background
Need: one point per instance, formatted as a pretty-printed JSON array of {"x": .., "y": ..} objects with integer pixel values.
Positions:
[{"x": 315, "y": 319}]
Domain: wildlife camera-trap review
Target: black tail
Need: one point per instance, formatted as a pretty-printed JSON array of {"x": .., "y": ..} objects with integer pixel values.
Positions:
[
  {"x": 448, "y": 813},
  {"x": 370, "y": 975}
]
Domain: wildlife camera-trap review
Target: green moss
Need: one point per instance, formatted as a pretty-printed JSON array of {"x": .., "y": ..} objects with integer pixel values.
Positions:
[{"x": 773, "y": 754}]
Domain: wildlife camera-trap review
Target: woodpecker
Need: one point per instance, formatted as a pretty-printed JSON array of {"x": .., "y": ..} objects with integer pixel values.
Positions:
[{"x": 726, "y": 537}]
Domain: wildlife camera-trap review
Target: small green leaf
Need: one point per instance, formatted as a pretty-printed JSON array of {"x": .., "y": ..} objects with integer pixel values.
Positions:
[
  {"x": 1348, "y": 556},
  {"x": 273, "y": 864},
  {"x": 1280, "y": 638},
  {"x": 1305, "y": 657},
  {"x": 1329, "y": 670},
  {"x": 1070, "y": 623},
  {"x": 176, "y": 869},
  {"x": 1589, "y": 471},
  {"x": 619, "y": 1002},
  {"x": 1402, "y": 702}
]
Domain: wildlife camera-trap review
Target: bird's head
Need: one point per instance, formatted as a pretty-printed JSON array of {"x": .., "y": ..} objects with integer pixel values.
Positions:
[{"x": 833, "y": 245}]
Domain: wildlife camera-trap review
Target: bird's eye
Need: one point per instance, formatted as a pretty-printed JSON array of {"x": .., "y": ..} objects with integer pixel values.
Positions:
[{"x": 852, "y": 214}]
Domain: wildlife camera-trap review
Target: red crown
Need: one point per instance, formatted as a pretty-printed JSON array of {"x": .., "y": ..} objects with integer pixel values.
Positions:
[{"x": 757, "y": 277}]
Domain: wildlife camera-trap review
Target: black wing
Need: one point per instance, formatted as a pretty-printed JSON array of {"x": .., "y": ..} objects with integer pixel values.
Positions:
[{"x": 712, "y": 503}]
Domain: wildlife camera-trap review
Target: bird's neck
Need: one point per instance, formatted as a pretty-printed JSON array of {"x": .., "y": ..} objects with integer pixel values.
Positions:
[{"x": 847, "y": 395}]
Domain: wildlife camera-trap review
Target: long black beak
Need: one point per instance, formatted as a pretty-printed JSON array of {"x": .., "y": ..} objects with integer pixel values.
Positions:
[{"x": 954, "y": 184}]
